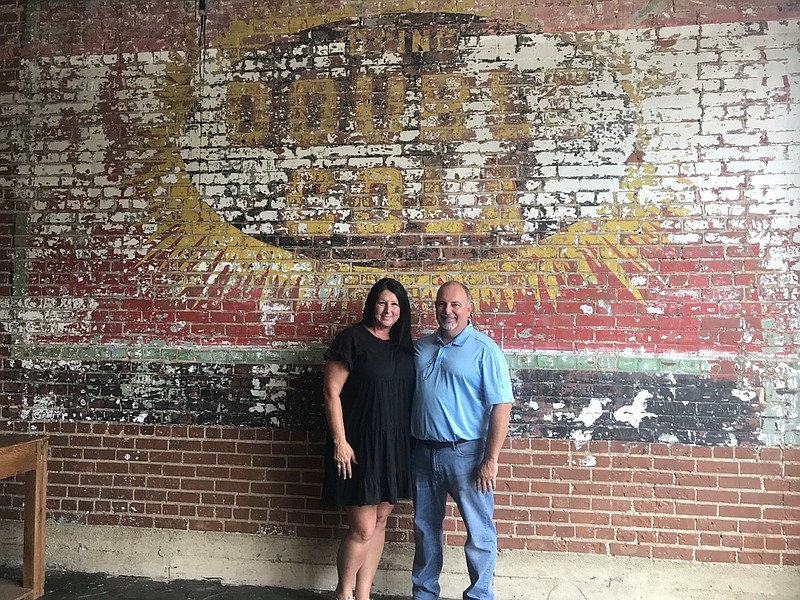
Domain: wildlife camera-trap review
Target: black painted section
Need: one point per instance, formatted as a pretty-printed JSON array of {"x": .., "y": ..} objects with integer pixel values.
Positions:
[{"x": 685, "y": 409}]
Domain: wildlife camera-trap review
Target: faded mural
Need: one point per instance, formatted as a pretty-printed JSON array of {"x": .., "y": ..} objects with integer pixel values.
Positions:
[{"x": 624, "y": 208}]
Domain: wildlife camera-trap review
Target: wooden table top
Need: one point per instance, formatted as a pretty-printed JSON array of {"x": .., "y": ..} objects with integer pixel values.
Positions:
[
  {"x": 19, "y": 452},
  {"x": 12, "y": 439}
]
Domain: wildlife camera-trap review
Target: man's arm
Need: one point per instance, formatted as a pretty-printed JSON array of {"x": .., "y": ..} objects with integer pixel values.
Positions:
[{"x": 498, "y": 428}]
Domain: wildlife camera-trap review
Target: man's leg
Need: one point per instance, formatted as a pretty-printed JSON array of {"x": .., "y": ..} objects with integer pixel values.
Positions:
[
  {"x": 430, "y": 497},
  {"x": 477, "y": 511}
]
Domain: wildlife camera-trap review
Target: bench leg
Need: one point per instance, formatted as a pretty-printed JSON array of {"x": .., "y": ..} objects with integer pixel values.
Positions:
[{"x": 33, "y": 559}]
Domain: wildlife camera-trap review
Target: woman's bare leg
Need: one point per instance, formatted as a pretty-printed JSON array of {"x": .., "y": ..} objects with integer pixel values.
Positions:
[
  {"x": 366, "y": 574},
  {"x": 366, "y": 534}
]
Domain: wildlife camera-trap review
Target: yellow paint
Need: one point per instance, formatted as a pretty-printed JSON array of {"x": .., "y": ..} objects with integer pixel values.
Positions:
[
  {"x": 391, "y": 177},
  {"x": 191, "y": 233},
  {"x": 639, "y": 176},
  {"x": 366, "y": 115},
  {"x": 442, "y": 113},
  {"x": 307, "y": 97},
  {"x": 441, "y": 226},
  {"x": 244, "y": 131},
  {"x": 502, "y": 91}
]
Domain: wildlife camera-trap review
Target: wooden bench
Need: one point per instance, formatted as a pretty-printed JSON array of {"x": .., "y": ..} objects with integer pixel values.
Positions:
[{"x": 20, "y": 453}]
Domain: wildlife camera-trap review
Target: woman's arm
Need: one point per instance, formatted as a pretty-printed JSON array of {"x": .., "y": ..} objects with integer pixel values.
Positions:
[{"x": 335, "y": 376}]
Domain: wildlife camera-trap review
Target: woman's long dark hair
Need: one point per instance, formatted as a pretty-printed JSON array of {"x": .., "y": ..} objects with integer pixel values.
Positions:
[{"x": 400, "y": 333}]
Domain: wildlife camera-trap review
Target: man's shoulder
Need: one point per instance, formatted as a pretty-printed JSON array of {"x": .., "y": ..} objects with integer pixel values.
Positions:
[
  {"x": 483, "y": 339},
  {"x": 425, "y": 340}
]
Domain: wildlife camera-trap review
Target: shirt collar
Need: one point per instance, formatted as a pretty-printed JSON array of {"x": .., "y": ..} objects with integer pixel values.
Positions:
[{"x": 460, "y": 338}]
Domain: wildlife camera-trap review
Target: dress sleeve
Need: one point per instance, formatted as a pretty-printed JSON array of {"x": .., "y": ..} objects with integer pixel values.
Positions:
[{"x": 343, "y": 348}]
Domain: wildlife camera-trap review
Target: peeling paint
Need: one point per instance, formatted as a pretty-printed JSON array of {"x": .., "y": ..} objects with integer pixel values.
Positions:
[
  {"x": 635, "y": 412},
  {"x": 171, "y": 222},
  {"x": 592, "y": 412}
]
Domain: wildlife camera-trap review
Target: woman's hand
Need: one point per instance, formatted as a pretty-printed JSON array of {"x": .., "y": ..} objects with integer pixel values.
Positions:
[{"x": 344, "y": 458}]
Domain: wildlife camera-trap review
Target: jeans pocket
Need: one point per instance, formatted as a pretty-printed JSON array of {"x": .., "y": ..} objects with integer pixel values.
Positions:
[{"x": 470, "y": 449}]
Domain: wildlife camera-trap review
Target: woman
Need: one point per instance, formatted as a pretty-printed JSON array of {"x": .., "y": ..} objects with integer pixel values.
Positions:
[{"x": 368, "y": 384}]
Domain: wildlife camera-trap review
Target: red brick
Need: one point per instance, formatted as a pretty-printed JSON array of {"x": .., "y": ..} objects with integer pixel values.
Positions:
[{"x": 636, "y": 550}]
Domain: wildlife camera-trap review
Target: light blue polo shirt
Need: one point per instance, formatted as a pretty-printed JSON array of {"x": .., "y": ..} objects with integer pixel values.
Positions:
[{"x": 456, "y": 386}]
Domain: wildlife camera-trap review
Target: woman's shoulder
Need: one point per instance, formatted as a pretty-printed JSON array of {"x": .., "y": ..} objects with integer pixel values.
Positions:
[
  {"x": 351, "y": 335},
  {"x": 351, "y": 330},
  {"x": 347, "y": 345}
]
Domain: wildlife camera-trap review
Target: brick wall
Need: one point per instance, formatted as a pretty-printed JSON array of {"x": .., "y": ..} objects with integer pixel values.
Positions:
[
  {"x": 695, "y": 503},
  {"x": 193, "y": 206},
  {"x": 10, "y": 18}
]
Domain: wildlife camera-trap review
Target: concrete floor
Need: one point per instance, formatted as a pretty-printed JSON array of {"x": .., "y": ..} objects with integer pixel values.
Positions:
[{"x": 60, "y": 585}]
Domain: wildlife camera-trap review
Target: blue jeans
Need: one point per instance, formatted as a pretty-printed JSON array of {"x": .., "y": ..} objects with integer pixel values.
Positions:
[{"x": 438, "y": 472}]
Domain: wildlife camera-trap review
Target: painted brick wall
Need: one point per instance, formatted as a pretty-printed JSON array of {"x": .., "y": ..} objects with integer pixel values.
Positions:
[
  {"x": 196, "y": 197},
  {"x": 696, "y": 503}
]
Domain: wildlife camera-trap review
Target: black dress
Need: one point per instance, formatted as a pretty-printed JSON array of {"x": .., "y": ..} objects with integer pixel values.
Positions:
[{"x": 376, "y": 406}]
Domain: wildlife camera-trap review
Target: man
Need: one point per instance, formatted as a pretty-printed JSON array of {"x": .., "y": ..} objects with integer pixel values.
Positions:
[{"x": 459, "y": 421}]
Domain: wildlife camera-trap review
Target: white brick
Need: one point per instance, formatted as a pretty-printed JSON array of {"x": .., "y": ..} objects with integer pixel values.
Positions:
[
  {"x": 610, "y": 184},
  {"x": 775, "y": 180},
  {"x": 591, "y": 212},
  {"x": 562, "y": 185},
  {"x": 717, "y": 127},
  {"x": 723, "y": 210},
  {"x": 727, "y": 153},
  {"x": 771, "y": 69},
  {"x": 650, "y": 196},
  {"x": 723, "y": 182},
  {"x": 717, "y": 71},
  {"x": 609, "y": 171},
  {"x": 701, "y": 225},
  {"x": 782, "y": 166},
  {"x": 729, "y": 35},
  {"x": 635, "y": 35},
  {"x": 675, "y": 131},
  {"x": 740, "y": 55},
  {"x": 779, "y": 39},
  {"x": 742, "y": 139},
  {"x": 687, "y": 238},
  {"x": 767, "y": 195},
  {"x": 748, "y": 166},
  {"x": 790, "y": 27},
  {"x": 722, "y": 113},
  {"x": 774, "y": 117},
  {"x": 673, "y": 115},
  {"x": 771, "y": 209},
  {"x": 681, "y": 183},
  {"x": 754, "y": 89},
  {"x": 662, "y": 158},
  {"x": 687, "y": 64},
  {"x": 682, "y": 44},
  {"x": 784, "y": 54},
  {"x": 701, "y": 168},
  {"x": 705, "y": 141},
  {"x": 719, "y": 195},
  {"x": 722, "y": 98},
  {"x": 541, "y": 199},
  {"x": 668, "y": 101},
  {"x": 688, "y": 31}
]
